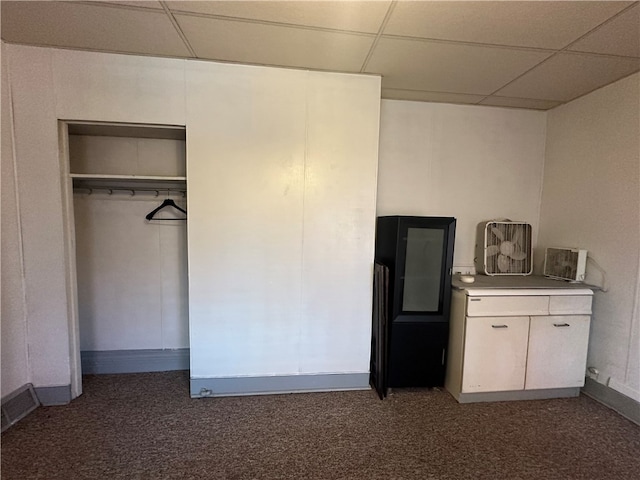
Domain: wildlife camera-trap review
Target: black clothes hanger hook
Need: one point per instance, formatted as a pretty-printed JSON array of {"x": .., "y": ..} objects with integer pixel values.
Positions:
[{"x": 166, "y": 203}]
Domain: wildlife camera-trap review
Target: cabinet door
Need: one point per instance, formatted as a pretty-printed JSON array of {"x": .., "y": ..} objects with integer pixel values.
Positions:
[
  {"x": 495, "y": 354},
  {"x": 557, "y": 351},
  {"x": 417, "y": 354}
]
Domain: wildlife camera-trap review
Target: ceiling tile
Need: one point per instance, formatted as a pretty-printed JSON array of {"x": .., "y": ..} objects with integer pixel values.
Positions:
[
  {"x": 620, "y": 36},
  {"x": 520, "y": 103},
  {"x": 357, "y": 16},
  {"x": 570, "y": 75},
  {"x": 446, "y": 67},
  {"x": 421, "y": 96},
  {"x": 91, "y": 27},
  {"x": 256, "y": 43},
  {"x": 531, "y": 24}
]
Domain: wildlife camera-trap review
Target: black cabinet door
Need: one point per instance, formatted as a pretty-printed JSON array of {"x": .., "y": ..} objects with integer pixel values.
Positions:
[
  {"x": 417, "y": 354},
  {"x": 379, "y": 345}
]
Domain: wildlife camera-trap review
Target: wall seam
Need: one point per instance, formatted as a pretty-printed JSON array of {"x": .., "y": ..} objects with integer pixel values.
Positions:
[
  {"x": 18, "y": 210},
  {"x": 72, "y": 356},
  {"x": 304, "y": 194},
  {"x": 162, "y": 285},
  {"x": 635, "y": 314},
  {"x": 536, "y": 238}
]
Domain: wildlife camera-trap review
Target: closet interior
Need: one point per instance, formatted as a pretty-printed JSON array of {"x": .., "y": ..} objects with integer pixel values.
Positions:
[{"x": 130, "y": 214}]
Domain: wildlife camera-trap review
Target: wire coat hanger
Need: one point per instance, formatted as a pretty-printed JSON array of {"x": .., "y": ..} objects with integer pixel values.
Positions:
[{"x": 166, "y": 203}]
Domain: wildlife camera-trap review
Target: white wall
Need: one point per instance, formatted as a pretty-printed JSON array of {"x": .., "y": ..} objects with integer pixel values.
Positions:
[
  {"x": 40, "y": 226},
  {"x": 591, "y": 200},
  {"x": 132, "y": 274},
  {"x": 340, "y": 177},
  {"x": 472, "y": 163},
  {"x": 285, "y": 162},
  {"x": 245, "y": 165},
  {"x": 47, "y": 85},
  {"x": 286, "y": 199},
  {"x": 15, "y": 367}
]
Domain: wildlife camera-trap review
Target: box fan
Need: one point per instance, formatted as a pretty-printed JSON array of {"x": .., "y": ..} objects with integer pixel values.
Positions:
[
  {"x": 565, "y": 263},
  {"x": 504, "y": 248}
]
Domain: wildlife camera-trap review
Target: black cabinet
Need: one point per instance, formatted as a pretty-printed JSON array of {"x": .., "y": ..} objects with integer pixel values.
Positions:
[{"x": 412, "y": 297}]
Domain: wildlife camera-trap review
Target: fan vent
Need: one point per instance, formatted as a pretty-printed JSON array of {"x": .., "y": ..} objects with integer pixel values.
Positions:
[
  {"x": 505, "y": 248},
  {"x": 565, "y": 263}
]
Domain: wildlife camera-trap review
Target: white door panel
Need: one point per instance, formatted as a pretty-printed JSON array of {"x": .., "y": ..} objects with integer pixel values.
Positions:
[{"x": 495, "y": 354}]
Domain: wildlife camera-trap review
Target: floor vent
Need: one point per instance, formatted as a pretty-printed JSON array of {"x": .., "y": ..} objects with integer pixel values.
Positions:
[{"x": 18, "y": 405}]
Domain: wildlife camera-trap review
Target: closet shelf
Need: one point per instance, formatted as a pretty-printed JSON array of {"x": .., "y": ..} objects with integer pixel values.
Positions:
[{"x": 100, "y": 176}]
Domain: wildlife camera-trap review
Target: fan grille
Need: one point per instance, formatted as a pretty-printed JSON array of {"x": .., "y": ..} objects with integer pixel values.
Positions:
[
  {"x": 565, "y": 263},
  {"x": 507, "y": 248}
]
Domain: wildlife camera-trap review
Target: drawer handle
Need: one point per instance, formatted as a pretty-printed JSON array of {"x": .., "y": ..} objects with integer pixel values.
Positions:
[
  {"x": 499, "y": 326},
  {"x": 475, "y": 299},
  {"x": 561, "y": 325}
]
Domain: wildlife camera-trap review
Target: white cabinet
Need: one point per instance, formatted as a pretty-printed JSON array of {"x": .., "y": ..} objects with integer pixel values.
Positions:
[
  {"x": 557, "y": 353},
  {"x": 495, "y": 354},
  {"x": 480, "y": 306},
  {"x": 509, "y": 344}
]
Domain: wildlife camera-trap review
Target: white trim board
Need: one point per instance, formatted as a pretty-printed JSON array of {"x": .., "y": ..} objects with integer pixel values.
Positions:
[
  {"x": 625, "y": 406},
  {"x": 514, "y": 395},
  {"x": 56, "y": 395},
  {"x": 134, "y": 361},
  {"x": 232, "y": 386}
]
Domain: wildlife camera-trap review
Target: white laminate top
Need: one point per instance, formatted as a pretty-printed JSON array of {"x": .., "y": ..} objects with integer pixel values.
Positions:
[{"x": 520, "y": 285}]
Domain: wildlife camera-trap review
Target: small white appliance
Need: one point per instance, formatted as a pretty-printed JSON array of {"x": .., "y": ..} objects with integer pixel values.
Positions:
[
  {"x": 565, "y": 263},
  {"x": 504, "y": 248}
]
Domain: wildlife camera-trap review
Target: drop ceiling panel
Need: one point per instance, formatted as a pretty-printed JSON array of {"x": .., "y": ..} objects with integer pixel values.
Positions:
[
  {"x": 570, "y": 75},
  {"x": 421, "y": 96},
  {"x": 91, "y": 27},
  {"x": 257, "y": 43},
  {"x": 447, "y": 67},
  {"x": 355, "y": 16},
  {"x": 438, "y": 51},
  {"x": 620, "y": 36},
  {"x": 530, "y": 24},
  {"x": 519, "y": 103}
]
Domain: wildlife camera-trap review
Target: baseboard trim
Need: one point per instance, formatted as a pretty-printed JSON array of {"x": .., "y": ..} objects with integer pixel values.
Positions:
[
  {"x": 134, "y": 361},
  {"x": 518, "y": 395},
  {"x": 58, "y": 395},
  {"x": 236, "y": 386},
  {"x": 625, "y": 406}
]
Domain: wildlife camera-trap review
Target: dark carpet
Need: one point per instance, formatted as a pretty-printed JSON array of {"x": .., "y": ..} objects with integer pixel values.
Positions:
[{"x": 146, "y": 426}]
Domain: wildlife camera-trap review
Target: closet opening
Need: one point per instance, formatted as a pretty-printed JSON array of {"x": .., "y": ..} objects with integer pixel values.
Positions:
[{"x": 125, "y": 195}]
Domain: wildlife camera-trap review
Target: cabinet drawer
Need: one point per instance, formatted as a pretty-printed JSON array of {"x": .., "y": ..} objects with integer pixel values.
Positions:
[
  {"x": 507, "y": 306},
  {"x": 570, "y": 304}
]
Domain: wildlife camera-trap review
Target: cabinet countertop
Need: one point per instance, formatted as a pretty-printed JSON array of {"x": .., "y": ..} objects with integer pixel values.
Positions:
[{"x": 529, "y": 282}]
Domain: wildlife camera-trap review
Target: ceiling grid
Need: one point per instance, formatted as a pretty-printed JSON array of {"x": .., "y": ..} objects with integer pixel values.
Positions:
[{"x": 522, "y": 54}]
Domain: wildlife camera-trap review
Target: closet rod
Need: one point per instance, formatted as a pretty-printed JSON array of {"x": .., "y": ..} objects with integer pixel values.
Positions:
[{"x": 133, "y": 190}]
